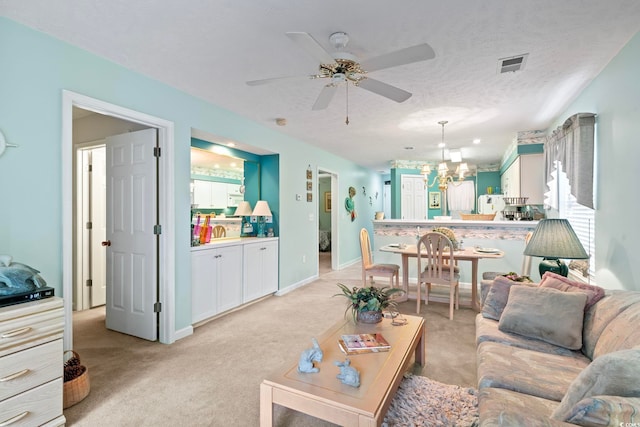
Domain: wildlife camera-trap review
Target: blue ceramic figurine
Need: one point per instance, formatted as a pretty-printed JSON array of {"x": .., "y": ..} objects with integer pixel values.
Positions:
[{"x": 308, "y": 356}]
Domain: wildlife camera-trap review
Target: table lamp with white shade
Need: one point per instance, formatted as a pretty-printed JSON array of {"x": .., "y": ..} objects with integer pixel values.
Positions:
[
  {"x": 244, "y": 210},
  {"x": 554, "y": 239},
  {"x": 261, "y": 211}
]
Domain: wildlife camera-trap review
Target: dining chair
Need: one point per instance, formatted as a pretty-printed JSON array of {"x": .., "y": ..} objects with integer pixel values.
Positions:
[
  {"x": 436, "y": 266},
  {"x": 218, "y": 231},
  {"x": 371, "y": 269}
]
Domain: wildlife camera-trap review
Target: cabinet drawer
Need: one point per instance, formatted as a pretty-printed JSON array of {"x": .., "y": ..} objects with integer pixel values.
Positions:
[
  {"x": 29, "y": 368},
  {"x": 36, "y": 327},
  {"x": 35, "y": 407}
]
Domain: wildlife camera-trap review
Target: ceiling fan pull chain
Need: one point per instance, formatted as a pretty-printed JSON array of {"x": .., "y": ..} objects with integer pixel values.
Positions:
[{"x": 347, "y": 120}]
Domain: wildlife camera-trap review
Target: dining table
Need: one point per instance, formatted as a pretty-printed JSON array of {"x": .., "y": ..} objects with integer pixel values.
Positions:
[{"x": 472, "y": 254}]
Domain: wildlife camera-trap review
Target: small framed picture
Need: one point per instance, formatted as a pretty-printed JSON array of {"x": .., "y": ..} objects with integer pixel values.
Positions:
[
  {"x": 434, "y": 200},
  {"x": 309, "y": 185},
  {"x": 309, "y": 197},
  {"x": 327, "y": 201},
  {"x": 309, "y": 174}
]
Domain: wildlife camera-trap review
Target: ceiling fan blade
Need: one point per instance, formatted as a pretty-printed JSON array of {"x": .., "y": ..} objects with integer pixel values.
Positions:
[
  {"x": 313, "y": 48},
  {"x": 325, "y": 97},
  {"x": 421, "y": 52},
  {"x": 277, "y": 79},
  {"x": 383, "y": 89}
]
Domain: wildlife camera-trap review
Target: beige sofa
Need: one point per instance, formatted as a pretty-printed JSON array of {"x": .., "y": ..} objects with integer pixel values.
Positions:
[{"x": 557, "y": 353}]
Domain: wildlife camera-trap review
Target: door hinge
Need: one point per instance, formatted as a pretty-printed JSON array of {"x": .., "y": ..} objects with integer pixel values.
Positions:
[
  {"x": 156, "y": 151},
  {"x": 89, "y": 283},
  {"x": 89, "y": 225},
  {"x": 157, "y": 307},
  {"x": 157, "y": 229},
  {"x": 89, "y": 168}
]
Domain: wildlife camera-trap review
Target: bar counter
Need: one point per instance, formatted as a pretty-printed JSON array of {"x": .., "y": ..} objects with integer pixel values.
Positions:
[{"x": 507, "y": 236}]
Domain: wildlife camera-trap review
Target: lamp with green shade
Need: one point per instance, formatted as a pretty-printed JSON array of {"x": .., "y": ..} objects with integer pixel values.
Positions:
[{"x": 554, "y": 239}]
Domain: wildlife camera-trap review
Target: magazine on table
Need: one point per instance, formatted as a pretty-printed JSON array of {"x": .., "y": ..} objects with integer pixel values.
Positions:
[{"x": 363, "y": 343}]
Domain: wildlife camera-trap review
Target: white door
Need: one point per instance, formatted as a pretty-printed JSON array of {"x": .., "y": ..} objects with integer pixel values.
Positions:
[
  {"x": 98, "y": 196},
  {"x": 413, "y": 197},
  {"x": 131, "y": 216}
]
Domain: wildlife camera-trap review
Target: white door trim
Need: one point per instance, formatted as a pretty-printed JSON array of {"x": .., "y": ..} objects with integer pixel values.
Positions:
[
  {"x": 166, "y": 185},
  {"x": 335, "y": 236}
]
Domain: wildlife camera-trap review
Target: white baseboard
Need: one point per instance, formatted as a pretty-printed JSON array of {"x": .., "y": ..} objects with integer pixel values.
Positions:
[{"x": 183, "y": 333}]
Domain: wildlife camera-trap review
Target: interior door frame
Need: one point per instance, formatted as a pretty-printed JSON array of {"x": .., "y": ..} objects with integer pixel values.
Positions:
[
  {"x": 335, "y": 236},
  {"x": 166, "y": 188}
]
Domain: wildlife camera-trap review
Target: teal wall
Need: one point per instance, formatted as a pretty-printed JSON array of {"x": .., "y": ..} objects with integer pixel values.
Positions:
[
  {"x": 488, "y": 179},
  {"x": 614, "y": 96},
  {"x": 36, "y": 69}
]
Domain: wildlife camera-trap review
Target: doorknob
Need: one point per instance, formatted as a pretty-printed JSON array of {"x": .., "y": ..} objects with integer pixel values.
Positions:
[{"x": 106, "y": 243}]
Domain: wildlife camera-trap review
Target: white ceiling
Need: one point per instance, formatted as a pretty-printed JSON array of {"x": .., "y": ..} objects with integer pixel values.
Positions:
[{"x": 210, "y": 48}]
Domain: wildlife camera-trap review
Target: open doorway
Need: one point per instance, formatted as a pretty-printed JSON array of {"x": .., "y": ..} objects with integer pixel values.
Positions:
[
  {"x": 164, "y": 249},
  {"x": 327, "y": 221}
]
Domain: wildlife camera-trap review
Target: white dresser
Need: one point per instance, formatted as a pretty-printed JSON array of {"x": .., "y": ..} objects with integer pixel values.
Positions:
[{"x": 31, "y": 363}]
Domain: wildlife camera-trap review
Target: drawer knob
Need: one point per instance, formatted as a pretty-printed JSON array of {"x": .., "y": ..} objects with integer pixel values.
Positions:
[
  {"x": 11, "y": 334},
  {"x": 14, "y": 419},
  {"x": 14, "y": 376}
]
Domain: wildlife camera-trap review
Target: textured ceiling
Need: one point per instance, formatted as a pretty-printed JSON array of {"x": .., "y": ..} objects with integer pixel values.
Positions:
[{"x": 210, "y": 48}]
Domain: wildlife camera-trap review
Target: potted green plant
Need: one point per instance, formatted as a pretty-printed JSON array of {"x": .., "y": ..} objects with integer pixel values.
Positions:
[{"x": 367, "y": 303}]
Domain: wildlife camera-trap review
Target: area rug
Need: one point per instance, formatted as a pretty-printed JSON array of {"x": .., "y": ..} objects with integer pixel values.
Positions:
[{"x": 421, "y": 401}]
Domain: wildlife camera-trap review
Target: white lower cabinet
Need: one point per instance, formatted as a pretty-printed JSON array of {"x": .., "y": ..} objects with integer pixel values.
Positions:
[
  {"x": 214, "y": 274},
  {"x": 225, "y": 275},
  {"x": 260, "y": 270}
]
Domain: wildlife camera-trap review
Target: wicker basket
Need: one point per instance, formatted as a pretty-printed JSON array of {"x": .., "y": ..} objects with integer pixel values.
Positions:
[
  {"x": 76, "y": 389},
  {"x": 478, "y": 217}
]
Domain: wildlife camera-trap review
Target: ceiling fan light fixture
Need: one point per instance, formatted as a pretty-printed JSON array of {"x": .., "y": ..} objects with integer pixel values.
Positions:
[{"x": 339, "y": 40}]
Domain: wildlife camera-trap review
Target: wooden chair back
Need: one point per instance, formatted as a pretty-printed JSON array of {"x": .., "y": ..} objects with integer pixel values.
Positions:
[
  {"x": 365, "y": 249},
  {"x": 218, "y": 232}
]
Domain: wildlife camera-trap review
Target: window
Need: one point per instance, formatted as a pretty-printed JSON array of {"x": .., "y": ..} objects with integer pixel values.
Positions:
[{"x": 582, "y": 219}]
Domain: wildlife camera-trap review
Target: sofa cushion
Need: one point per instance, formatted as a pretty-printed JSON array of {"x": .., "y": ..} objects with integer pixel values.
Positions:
[
  {"x": 601, "y": 314},
  {"x": 526, "y": 371},
  {"x": 487, "y": 330},
  {"x": 621, "y": 333},
  {"x": 614, "y": 374},
  {"x": 556, "y": 281},
  {"x": 546, "y": 314},
  {"x": 500, "y": 407},
  {"x": 606, "y": 411},
  {"x": 498, "y": 295}
]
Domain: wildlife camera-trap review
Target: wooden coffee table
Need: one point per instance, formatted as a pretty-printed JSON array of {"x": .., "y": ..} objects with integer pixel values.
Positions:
[{"x": 322, "y": 395}]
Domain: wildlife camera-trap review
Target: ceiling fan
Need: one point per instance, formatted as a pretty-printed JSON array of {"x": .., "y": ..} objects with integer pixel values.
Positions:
[{"x": 342, "y": 67}]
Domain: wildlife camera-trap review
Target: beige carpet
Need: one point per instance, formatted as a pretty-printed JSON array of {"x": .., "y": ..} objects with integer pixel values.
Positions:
[{"x": 212, "y": 378}]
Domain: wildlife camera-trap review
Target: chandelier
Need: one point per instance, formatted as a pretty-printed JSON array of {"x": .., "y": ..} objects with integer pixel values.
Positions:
[{"x": 444, "y": 177}]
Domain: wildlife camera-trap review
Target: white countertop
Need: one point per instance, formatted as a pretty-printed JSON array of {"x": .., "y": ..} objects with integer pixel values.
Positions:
[{"x": 231, "y": 241}]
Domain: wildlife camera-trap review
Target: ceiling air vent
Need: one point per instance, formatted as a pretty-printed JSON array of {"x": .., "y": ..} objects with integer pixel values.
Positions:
[{"x": 512, "y": 64}]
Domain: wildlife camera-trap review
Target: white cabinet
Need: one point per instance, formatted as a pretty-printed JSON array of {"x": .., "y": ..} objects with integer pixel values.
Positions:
[
  {"x": 260, "y": 269},
  {"x": 524, "y": 178},
  {"x": 31, "y": 363},
  {"x": 216, "y": 277},
  {"x": 210, "y": 194},
  {"x": 228, "y": 274}
]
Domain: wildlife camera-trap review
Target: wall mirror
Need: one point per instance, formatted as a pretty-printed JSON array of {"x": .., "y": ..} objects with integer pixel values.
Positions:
[{"x": 217, "y": 180}]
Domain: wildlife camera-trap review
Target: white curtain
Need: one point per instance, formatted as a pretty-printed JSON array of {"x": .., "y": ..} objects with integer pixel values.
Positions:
[
  {"x": 572, "y": 144},
  {"x": 461, "y": 196}
]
